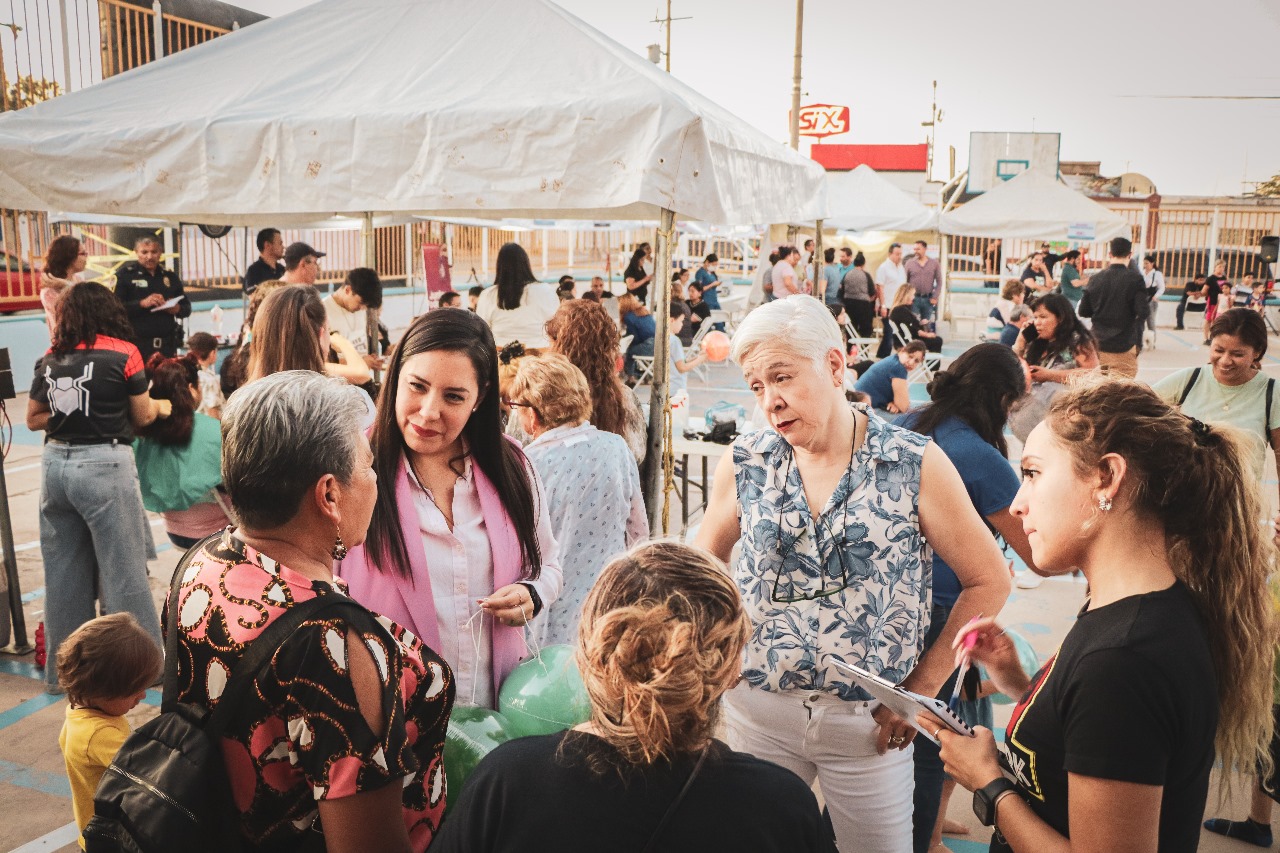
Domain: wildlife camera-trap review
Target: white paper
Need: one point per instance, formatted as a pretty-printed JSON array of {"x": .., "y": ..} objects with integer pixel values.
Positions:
[
  {"x": 164, "y": 306},
  {"x": 904, "y": 703}
]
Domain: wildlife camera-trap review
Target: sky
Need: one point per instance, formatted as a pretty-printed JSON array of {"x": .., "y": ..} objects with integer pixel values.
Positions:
[{"x": 1114, "y": 77}]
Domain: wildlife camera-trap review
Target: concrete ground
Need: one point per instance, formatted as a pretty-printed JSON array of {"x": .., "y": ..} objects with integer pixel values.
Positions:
[{"x": 34, "y": 796}]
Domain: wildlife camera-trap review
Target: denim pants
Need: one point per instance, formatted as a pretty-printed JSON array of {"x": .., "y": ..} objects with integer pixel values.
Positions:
[
  {"x": 95, "y": 541},
  {"x": 820, "y": 735},
  {"x": 923, "y": 308},
  {"x": 929, "y": 774}
]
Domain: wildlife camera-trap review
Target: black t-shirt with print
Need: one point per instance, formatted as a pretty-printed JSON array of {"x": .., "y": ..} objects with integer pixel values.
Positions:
[
  {"x": 1130, "y": 696},
  {"x": 529, "y": 795},
  {"x": 87, "y": 391}
]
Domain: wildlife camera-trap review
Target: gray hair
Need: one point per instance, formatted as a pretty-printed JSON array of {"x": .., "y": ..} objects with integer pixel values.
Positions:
[
  {"x": 799, "y": 323},
  {"x": 280, "y": 435},
  {"x": 148, "y": 238}
]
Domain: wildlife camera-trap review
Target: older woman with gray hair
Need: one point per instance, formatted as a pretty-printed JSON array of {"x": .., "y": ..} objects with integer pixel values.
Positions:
[
  {"x": 590, "y": 478},
  {"x": 836, "y": 511},
  {"x": 338, "y": 743}
]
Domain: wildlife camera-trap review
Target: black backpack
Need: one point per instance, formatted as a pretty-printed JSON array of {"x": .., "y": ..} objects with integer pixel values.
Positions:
[{"x": 167, "y": 788}]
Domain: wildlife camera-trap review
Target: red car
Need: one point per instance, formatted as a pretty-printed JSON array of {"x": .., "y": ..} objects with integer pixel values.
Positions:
[{"x": 19, "y": 284}]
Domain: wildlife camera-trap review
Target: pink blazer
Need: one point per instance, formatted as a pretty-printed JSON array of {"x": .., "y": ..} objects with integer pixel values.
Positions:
[{"x": 410, "y": 603}]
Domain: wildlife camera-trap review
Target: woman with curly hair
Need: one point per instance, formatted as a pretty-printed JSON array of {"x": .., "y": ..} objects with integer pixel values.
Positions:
[
  {"x": 659, "y": 643},
  {"x": 88, "y": 397},
  {"x": 583, "y": 332}
]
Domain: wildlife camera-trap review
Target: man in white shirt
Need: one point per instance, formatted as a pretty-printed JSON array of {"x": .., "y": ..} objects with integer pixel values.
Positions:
[
  {"x": 891, "y": 275},
  {"x": 346, "y": 310}
]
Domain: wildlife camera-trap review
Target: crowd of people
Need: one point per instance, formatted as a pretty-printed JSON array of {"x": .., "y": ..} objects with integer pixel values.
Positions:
[{"x": 474, "y": 490}]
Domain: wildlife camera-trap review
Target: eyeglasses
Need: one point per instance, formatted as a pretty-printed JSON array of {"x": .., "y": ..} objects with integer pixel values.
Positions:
[
  {"x": 831, "y": 572},
  {"x": 517, "y": 404}
]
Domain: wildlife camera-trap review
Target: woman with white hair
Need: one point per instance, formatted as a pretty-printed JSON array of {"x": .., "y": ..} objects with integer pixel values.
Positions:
[{"x": 837, "y": 511}]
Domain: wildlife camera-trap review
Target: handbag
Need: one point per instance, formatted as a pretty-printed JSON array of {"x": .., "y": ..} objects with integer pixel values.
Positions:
[{"x": 1030, "y": 410}]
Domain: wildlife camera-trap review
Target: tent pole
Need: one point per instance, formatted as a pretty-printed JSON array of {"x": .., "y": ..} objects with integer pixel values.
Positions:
[
  {"x": 818, "y": 260},
  {"x": 369, "y": 258},
  {"x": 659, "y": 460}
]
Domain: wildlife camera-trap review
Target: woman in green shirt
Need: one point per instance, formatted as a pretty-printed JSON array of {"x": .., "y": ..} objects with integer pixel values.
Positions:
[
  {"x": 1234, "y": 390},
  {"x": 1070, "y": 284}
]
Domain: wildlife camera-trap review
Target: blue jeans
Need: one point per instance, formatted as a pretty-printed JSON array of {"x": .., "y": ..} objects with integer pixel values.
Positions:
[
  {"x": 95, "y": 541},
  {"x": 929, "y": 773},
  {"x": 923, "y": 308}
]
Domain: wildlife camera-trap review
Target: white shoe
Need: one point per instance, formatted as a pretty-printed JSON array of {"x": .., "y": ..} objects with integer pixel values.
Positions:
[{"x": 1028, "y": 580}]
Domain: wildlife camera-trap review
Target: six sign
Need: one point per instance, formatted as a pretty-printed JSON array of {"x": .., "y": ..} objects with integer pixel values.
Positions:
[{"x": 823, "y": 120}]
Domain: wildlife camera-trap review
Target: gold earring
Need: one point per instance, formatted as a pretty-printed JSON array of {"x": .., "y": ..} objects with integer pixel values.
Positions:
[{"x": 339, "y": 549}]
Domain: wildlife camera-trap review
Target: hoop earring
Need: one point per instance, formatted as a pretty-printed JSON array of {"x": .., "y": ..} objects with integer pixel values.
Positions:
[
  {"x": 1104, "y": 503},
  {"x": 339, "y": 549}
]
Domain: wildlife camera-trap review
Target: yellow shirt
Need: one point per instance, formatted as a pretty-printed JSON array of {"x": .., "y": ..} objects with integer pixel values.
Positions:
[{"x": 89, "y": 741}]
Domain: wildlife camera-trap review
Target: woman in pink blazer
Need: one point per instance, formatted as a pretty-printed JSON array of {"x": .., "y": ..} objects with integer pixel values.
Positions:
[{"x": 460, "y": 549}]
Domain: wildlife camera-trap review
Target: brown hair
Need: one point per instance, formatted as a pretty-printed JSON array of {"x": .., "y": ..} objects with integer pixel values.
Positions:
[
  {"x": 659, "y": 643},
  {"x": 1011, "y": 288},
  {"x": 202, "y": 343},
  {"x": 903, "y": 295},
  {"x": 628, "y": 304},
  {"x": 555, "y": 389},
  {"x": 1244, "y": 324},
  {"x": 235, "y": 370},
  {"x": 584, "y": 333},
  {"x": 286, "y": 332},
  {"x": 61, "y": 255},
  {"x": 1180, "y": 467},
  {"x": 172, "y": 379},
  {"x": 110, "y": 657},
  {"x": 914, "y": 346}
]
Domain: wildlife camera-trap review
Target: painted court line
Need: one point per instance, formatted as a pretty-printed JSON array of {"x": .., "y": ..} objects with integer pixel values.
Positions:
[
  {"x": 53, "y": 784},
  {"x": 25, "y": 709},
  {"x": 60, "y": 837}
]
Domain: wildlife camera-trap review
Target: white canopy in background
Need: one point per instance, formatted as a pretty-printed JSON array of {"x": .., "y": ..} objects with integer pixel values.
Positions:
[
  {"x": 493, "y": 108},
  {"x": 862, "y": 200},
  {"x": 1032, "y": 206}
]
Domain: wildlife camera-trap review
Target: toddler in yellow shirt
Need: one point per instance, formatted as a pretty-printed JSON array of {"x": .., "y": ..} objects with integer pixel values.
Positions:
[{"x": 105, "y": 667}]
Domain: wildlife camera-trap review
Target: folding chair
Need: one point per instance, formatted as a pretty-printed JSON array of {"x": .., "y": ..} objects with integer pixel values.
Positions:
[
  {"x": 902, "y": 337},
  {"x": 718, "y": 316},
  {"x": 864, "y": 349},
  {"x": 645, "y": 363}
]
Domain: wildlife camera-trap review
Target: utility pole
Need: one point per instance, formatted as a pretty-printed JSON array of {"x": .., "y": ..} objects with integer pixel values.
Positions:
[
  {"x": 795, "y": 79},
  {"x": 935, "y": 118},
  {"x": 4, "y": 83},
  {"x": 666, "y": 22}
]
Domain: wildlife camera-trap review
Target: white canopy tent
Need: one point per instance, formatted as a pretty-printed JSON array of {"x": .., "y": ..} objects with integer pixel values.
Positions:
[
  {"x": 375, "y": 106},
  {"x": 1032, "y": 206},
  {"x": 371, "y": 108},
  {"x": 862, "y": 200}
]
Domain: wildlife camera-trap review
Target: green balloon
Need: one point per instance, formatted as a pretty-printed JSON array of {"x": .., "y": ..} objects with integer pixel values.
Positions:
[
  {"x": 472, "y": 734},
  {"x": 1026, "y": 656},
  {"x": 545, "y": 694}
]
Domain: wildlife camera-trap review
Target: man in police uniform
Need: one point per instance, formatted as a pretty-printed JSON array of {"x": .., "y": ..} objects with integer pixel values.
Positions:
[{"x": 144, "y": 285}]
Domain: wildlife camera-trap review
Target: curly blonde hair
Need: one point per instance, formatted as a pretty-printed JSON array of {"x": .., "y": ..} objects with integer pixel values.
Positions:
[
  {"x": 1181, "y": 467},
  {"x": 659, "y": 643}
]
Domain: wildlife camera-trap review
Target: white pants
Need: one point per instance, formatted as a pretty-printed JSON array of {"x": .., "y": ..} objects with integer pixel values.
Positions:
[{"x": 869, "y": 796}]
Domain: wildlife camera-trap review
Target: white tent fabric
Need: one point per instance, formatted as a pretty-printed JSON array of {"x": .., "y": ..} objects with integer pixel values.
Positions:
[
  {"x": 862, "y": 200},
  {"x": 1032, "y": 206},
  {"x": 513, "y": 109}
]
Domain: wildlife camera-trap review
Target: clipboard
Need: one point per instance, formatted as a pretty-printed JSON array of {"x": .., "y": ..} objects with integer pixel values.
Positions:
[
  {"x": 167, "y": 304},
  {"x": 904, "y": 703}
]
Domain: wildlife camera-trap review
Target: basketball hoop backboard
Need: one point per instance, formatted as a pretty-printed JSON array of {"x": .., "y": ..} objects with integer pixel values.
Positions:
[{"x": 997, "y": 157}]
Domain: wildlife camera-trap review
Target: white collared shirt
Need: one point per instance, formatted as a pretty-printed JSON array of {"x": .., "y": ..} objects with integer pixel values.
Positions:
[
  {"x": 460, "y": 565},
  {"x": 891, "y": 276}
]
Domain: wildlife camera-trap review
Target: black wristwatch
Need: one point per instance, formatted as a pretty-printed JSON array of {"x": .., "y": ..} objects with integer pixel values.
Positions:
[
  {"x": 984, "y": 800},
  {"x": 533, "y": 596}
]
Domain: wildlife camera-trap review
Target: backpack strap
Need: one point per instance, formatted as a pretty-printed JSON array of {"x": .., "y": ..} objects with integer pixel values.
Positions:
[
  {"x": 1191, "y": 382},
  {"x": 257, "y": 653},
  {"x": 263, "y": 648},
  {"x": 1266, "y": 425}
]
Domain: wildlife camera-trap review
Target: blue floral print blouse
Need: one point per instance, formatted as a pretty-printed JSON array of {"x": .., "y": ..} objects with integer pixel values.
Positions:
[{"x": 852, "y": 584}]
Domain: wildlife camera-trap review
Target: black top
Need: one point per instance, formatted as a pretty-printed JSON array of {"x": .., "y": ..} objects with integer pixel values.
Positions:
[
  {"x": 1130, "y": 696},
  {"x": 635, "y": 273},
  {"x": 133, "y": 284},
  {"x": 688, "y": 329},
  {"x": 524, "y": 797},
  {"x": 258, "y": 272},
  {"x": 698, "y": 313},
  {"x": 1116, "y": 299},
  {"x": 87, "y": 391},
  {"x": 1213, "y": 286}
]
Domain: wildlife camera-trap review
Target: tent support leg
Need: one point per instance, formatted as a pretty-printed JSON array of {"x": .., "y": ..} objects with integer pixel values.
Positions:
[
  {"x": 818, "y": 262},
  {"x": 369, "y": 258},
  {"x": 659, "y": 460}
]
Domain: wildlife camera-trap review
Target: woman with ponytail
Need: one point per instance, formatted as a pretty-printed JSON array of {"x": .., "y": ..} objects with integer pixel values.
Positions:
[
  {"x": 659, "y": 643},
  {"x": 1113, "y": 741},
  {"x": 180, "y": 458}
]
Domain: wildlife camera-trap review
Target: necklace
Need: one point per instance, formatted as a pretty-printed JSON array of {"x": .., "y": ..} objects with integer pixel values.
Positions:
[{"x": 1228, "y": 399}]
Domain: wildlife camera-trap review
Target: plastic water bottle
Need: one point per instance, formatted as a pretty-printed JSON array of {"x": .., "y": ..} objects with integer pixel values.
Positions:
[{"x": 215, "y": 315}]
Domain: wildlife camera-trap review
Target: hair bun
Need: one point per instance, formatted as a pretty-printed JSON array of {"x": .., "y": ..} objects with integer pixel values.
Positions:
[{"x": 942, "y": 381}]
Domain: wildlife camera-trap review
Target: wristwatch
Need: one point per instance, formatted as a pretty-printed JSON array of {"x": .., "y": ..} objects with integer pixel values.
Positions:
[{"x": 985, "y": 799}]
